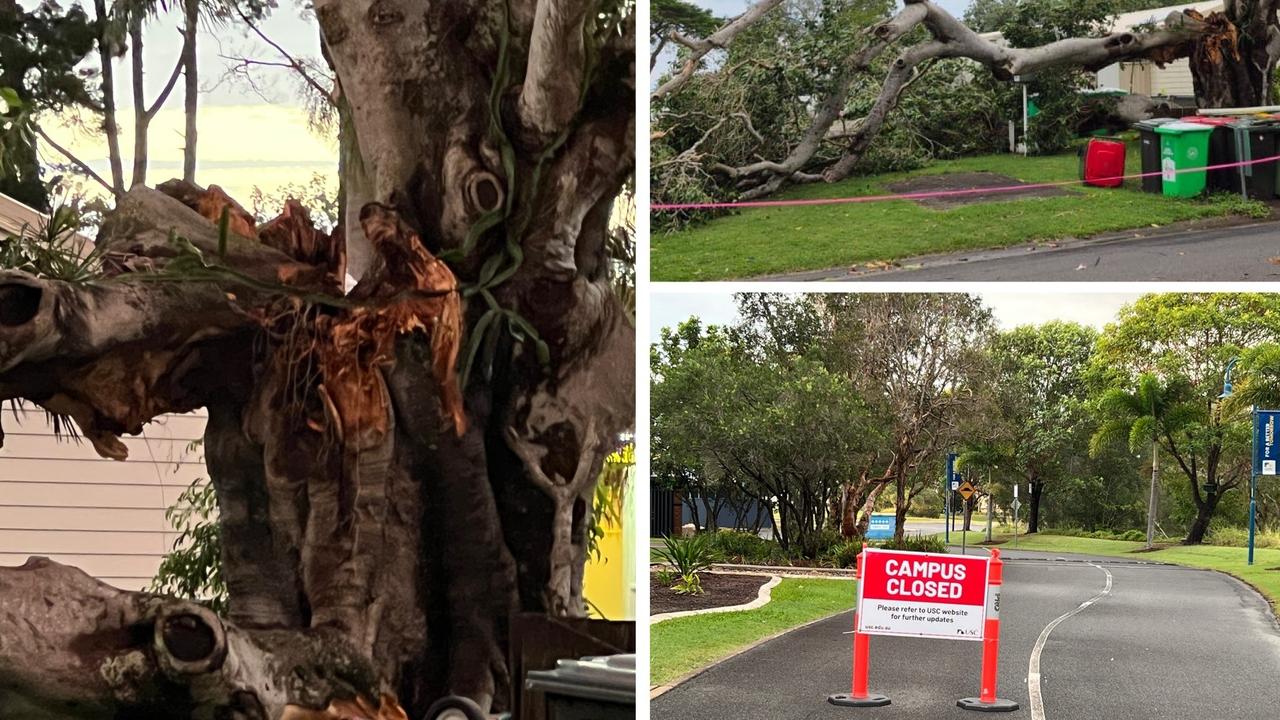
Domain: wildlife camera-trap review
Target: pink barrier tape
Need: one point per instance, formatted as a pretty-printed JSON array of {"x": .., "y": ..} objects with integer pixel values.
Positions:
[{"x": 941, "y": 193}]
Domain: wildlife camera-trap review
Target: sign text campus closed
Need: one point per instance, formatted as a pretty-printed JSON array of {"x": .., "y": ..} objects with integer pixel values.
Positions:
[{"x": 922, "y": 595}]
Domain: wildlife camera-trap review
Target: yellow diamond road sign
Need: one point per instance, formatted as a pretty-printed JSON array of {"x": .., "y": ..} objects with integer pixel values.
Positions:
[{"x": 966, "y": 490}]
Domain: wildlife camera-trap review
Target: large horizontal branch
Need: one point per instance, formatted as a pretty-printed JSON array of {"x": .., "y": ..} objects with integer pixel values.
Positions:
[
  {"x": 75, "y": 647},
  {"x": 552, "y": 88},
  {"x": 883, "y": 36}
]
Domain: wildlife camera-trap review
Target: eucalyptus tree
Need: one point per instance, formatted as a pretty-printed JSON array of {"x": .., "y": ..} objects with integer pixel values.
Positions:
[
  {"x": 778, "y": 426},
  {"x": 1042, "y": 380},
  {"x": 398, "y": 469},
  {"x": 919, "y": 360}
]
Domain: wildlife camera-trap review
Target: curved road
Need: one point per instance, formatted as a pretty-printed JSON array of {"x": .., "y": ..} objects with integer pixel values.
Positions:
[
  {"x": 1167, "y": 642},
  {"x": 1243, "y": 252}
]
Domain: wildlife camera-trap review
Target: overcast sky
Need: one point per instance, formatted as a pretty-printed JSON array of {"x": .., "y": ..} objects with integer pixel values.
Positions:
[
  {"x": 247, "y": 135},
  {"x": 1011, "y": 309},
  {"x": 733, "y": 8}
]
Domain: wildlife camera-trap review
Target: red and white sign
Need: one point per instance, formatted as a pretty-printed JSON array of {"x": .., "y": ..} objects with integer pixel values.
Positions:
[{"x": 922, "y": 595}]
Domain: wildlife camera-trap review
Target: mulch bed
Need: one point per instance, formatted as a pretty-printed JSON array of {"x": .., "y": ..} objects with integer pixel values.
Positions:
[
  {"x": 720, "y": 590},
  {"x": 967, "y": 181}
]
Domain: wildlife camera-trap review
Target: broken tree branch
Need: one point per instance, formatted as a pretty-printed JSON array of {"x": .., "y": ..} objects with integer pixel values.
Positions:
[
  {"x": 81, "y": 165},
  {"x": 950, "y": 38},
  {"x": 718, "y": 39}
]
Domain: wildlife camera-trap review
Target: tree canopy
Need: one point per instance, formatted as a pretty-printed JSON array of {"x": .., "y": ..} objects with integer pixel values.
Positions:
[{"x": 1067, "y": 410}]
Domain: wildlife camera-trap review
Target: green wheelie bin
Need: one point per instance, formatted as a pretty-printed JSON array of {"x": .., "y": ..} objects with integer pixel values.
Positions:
[{"x": 1184, "y": 148}]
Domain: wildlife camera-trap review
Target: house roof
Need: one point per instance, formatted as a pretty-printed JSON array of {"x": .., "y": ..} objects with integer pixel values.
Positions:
[{"x": 15, "y": 215}]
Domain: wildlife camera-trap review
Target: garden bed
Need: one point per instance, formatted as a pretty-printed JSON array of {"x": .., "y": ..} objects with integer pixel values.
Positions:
[{"x": 720, "y": 590}]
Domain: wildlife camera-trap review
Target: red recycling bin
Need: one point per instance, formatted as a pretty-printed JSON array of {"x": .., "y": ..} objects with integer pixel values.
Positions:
[{"x": 1102, "y": 163}]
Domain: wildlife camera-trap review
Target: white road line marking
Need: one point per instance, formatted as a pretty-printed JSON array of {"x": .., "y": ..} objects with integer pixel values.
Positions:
[{"x": 1033, "y": 670}]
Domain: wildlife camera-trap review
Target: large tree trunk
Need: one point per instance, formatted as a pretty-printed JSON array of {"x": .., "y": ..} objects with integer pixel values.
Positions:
[
  {"x": 381, "y": 519},
  {"x": 1033, "y": 506},
  {"x": 110, "y": 125},
  {"x": 141, "y": 118},
  {"x": 1205, "y": 507},
  {"x": 1233, "y": 66},
  {"x": 191, "y": 86}
]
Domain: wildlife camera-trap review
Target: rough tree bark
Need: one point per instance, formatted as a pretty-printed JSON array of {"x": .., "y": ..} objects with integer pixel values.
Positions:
[
  {"x": 381, "y": 519},
  {"x": 1033, "y": 507},
  {"x": 1233, "y": 65}
]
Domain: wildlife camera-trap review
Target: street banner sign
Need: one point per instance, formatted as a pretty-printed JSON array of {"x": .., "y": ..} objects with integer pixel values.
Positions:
[
  {"x": 966, "y": 490},
  {"x": 913, "y": 594},
  {"x": 882, "y": 527},
  {"x": 1266, "y": 449}
]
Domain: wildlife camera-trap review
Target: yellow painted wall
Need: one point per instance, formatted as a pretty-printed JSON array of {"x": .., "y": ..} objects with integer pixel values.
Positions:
[{"x": 609, "y": 581}]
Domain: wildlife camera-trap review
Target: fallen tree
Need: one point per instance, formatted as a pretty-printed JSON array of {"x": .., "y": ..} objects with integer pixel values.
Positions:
[
  {"x": 1182, "y": 34},
  {"x": 399, "y": 468}
]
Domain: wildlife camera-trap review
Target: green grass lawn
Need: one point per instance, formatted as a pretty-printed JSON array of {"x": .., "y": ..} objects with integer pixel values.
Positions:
[
  {"x": 1264, "y": 574},
  {"x": 685, "y": 644},
  {"x": 760, "y": 241}
]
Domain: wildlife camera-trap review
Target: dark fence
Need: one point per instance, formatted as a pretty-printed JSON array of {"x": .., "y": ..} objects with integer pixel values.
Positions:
[
  {"x": 747, "y": 515},
  {"x": 664, "y": 511}
]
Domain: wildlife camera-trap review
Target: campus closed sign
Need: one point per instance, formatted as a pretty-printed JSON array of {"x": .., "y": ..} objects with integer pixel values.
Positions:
[{"x": 922, "y": 595}]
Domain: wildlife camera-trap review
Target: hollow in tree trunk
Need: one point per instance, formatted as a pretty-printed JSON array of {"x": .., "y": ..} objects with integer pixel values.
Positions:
[{"x": 381, "y": 518}]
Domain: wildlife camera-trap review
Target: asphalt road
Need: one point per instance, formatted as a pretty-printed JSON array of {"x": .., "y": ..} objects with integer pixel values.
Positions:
[
  {"x": 1167, "y": 642},
  {"x": 1226, "y": 254}
]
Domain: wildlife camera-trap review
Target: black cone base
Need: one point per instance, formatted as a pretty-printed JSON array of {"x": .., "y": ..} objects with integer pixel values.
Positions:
[
  {"x": 999, "y": 705},
  {"x": 846, "y": 700}
]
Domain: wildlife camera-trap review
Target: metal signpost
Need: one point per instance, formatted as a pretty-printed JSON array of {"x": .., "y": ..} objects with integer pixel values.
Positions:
[
  {"x": 927, "y": 595},
  {"x": 1015, "y": 505},
  {"x": 949, "y": 485},
  {"x": 966, "y": 491},
  {"x": 990, "y": 505},
  {"x": 1266, "y": 452}
]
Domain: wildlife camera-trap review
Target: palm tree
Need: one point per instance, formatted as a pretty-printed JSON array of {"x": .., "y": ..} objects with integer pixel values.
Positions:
[
  {"x": 1259, "y": 384},
  {"x": 1139, "y": 416}
]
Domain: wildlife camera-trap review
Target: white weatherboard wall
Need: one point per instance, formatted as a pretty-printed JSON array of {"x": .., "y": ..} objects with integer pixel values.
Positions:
[{"x": 60, "y": 500}]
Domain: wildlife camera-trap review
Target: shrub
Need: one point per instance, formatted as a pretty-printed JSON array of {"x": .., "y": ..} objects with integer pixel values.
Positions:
[
  {"x": 688, "y": 556},
  {"x": 916, "y": 543},
  {"x": 745, "y": 547},
  {"x": 689, "y": 584},
  {"x": 1133, "y": 535},
  {"x": 845, "y": 554}
]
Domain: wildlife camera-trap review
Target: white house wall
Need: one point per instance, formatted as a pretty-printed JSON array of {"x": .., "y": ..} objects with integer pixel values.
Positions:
[
  {"x": 59, "y": 499},
  {"x": 1173, "y": 79}
]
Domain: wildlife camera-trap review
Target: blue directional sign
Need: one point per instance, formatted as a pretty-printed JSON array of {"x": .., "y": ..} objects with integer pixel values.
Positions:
[
  {"x": 1266, "y": 449},
  {"x": 881, "y": 527},
  {"x": 953, "y": 478}
]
